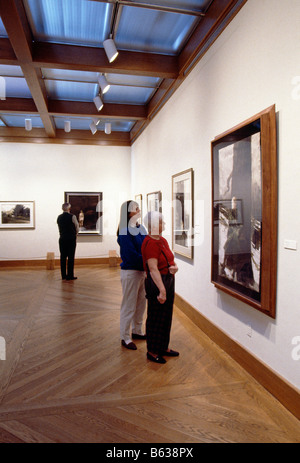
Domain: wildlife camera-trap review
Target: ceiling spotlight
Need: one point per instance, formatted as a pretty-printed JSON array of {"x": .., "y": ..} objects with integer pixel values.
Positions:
[
  {"x": 2, "y": 89},
  {"x": 96, "y": 121},
  {"x": 110, "y": 49},
  {"x": 107, "y": 128},
  {"x": 98, "y": 103},
  {"x": 67, "y": 126},
  {"x": 28, "y": 124},
  {"x": 104, "y": 85},
  {"x": 93, "y": 128}
]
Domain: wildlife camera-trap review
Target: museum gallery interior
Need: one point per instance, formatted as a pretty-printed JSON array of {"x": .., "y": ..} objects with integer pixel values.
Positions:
[{"x": 191, "y": 108}]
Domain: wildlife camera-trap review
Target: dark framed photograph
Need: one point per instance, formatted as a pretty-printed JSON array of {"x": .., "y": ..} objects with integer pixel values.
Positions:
[
  {"x": 88, "y": 209},
  {"x": 17, "y": 214},
  {"x": 244, "y": 211},
  {"x": 154, "y": 201},
  {"x": 183, "y": 213}
]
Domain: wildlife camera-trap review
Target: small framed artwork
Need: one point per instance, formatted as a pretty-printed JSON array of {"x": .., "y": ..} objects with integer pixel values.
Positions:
[
  {"x": 139, "y": 200},
  {"x": 244, "y": 211},
  {"x": 88, "y": 209},
  {"x": 183, "y": 213},
  {"x": 229, "y": 208},
  {"x": 17, "y": 214},
  {"x": 154, "y": 201}
]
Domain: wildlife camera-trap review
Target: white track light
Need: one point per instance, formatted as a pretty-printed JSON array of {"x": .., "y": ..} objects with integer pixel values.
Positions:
[
  {"x": 28, "y": 124},
  {"x": 93, "y": 128},
  {"x": 110, "y": 50},
  {"x": 104, "y": 85},
  {"x": 107, "y": 128},
  {"x": 67, "y": 126},
  {"x": 98, "y": 103}
]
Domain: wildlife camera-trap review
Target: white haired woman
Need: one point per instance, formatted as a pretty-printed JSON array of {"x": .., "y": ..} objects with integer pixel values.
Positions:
[{"x": 160, "y": 268}]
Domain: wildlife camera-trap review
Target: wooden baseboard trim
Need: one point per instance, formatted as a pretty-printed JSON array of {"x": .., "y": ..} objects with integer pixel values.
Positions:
[
  {"x": 43, "y": 262},
  {"x": 277, "y": 386}
]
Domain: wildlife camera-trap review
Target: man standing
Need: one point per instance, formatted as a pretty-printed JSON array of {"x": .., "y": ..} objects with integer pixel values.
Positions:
[{"x": 68, "y": 228}]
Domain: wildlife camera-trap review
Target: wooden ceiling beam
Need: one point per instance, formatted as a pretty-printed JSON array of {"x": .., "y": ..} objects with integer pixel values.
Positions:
[
  {"x": 72, "y": 57},
  {"x": 7, "y": 54},
  {"x": 18, "y": 106},
  {"x": 18, "y": 30},
  {"x": 78, "y": 137},
  {"x": 86, "y": 109},
  {"x": 88, "y": 136},
  {"x": 15, "y": 22},
  {"x": 74, "y": 108}
]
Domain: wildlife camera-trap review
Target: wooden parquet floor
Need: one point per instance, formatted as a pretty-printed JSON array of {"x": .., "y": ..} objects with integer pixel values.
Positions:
[{"x": 66, "y": 377}]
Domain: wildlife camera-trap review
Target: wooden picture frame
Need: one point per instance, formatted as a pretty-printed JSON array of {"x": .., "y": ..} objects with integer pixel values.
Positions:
[
  {"x": 17, "y": 215},
  {"x": 154, "y": 201},
  {"x": 183, "y": 213},
  {"x": 88, "y": 209},
  {"x": 244, "y": 252}
]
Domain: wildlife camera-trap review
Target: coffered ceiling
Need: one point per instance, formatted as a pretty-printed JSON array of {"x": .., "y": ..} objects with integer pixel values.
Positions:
[{"x": 52, "y": 55}]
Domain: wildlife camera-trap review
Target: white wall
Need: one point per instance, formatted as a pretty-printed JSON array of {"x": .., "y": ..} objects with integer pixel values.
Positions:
[
  {"x": 42, "y": 173},
  {"x": 254, "y": 64}
]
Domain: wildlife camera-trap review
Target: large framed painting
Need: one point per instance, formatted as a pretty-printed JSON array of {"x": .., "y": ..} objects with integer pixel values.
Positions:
[
  {"x": 182, "y": 213},
  {"x": 154, "y": 201},
  {"x": 244, "y": 211},
  {"x": 88, "y": 209},
  {"x": 17, "y": 214}
]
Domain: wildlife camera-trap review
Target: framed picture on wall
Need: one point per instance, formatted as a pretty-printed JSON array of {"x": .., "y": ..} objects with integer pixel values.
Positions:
[
  {"x": 139, "y": 201},
  {"x": 17, "y": 214},
  {"x": 88, "y": 209},
  {"x": 182, "y": 213},
  {"x": 232, "y": 208},
  {"x": 154, "y": 201},
  {"x": 244, "y": 211}
]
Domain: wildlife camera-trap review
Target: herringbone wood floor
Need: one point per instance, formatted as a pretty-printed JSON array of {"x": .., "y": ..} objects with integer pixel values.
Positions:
[{"x": 66, "y": 377}]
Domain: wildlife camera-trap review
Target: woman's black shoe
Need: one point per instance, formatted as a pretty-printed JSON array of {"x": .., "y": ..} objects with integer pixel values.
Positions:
[
  {"x": 138, "y": 336},
  {"x": 156, "y": 359},
  {"x": 130, "y": 345}
]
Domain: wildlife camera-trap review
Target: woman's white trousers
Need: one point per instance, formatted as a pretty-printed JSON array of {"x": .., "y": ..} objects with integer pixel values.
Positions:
[{"x": 133, "y": 303}]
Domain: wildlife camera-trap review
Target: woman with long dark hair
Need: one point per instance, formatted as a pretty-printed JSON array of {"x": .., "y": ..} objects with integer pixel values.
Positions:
[{"x": 130, "y": 238}]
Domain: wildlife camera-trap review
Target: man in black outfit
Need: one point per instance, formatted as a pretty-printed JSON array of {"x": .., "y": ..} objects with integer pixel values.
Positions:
[{"x": 68, "y": 228}]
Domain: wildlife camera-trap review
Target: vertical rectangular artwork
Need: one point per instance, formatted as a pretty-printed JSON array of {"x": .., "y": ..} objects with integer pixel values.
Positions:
[
  {"x": 244, "y": 211},
  {"x": 182, "y": 213}
]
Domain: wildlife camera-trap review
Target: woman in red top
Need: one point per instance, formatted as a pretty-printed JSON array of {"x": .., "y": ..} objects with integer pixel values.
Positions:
[{"x": 160, "y": 267}]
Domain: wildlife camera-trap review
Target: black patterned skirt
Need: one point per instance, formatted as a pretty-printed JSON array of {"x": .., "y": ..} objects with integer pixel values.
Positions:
[{"x": 159, "y": 316}]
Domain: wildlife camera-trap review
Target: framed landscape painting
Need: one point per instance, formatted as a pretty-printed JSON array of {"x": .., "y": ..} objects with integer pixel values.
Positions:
[
  {"x": 182, "y": 213},
  {"x": 88, "y": 209},
  {"x": 17, "y": 214},
  {"x": 244, "y": 211}
]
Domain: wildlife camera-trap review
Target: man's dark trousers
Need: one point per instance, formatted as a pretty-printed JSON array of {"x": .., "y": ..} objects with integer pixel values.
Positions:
[{"x": 67, "y": 252}]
